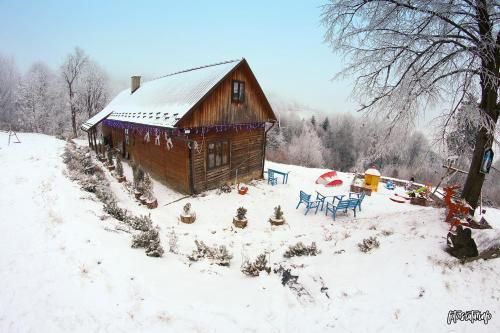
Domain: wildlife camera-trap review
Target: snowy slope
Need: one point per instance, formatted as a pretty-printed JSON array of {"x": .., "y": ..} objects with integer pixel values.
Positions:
[{"x": 64, "y": 267}]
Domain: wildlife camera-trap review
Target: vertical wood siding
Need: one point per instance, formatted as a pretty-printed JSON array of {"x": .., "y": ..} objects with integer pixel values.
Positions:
[
  {"x": 217, "y": 108},
  {"x": 170, "y": 167}
]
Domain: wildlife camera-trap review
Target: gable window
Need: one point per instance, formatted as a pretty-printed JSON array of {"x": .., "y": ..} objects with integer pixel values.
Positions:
[
  {"x": 217, "y": 154},
  {"x": 238, "y": 91}
]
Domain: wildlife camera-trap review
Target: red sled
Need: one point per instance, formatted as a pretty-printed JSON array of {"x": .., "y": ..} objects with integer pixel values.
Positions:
[{"x": 329, "y": 179}]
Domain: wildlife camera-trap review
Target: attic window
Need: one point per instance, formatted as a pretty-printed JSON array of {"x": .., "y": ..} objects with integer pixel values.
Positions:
[{"x": 238, "y": 91}]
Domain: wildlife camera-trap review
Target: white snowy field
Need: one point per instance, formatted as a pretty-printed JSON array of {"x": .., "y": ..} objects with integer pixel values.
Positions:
[{"x": 63, "y": 268}]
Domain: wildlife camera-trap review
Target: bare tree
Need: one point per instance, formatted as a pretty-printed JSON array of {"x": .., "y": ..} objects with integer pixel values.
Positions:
[
  {"x": 94, "y": 89},
  {"x": 36, "y": 98},
  {"x": 71, "y": 71},
  {"x": 9, "y": 79},
  {"x": 408, "y": 55}
]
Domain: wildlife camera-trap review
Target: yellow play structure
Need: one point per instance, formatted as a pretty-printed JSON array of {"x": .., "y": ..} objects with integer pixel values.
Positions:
[{"x": 372, "y": 178}]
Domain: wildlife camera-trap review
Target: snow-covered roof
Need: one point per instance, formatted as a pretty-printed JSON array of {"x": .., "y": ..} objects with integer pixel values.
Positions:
[
  {"x": 372, "y": 172},
  {"x": 164, "y": 101},
  {"x": 96, "y": 119}
]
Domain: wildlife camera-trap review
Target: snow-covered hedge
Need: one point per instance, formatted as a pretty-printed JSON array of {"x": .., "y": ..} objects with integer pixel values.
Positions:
[
  {"x": 219, "y": 255},
  {"x": 368, "y": 244},
  {"x": 254, "y": 268},
  {"x": 300, "y": 249},
  {"x": 150, "y": 240}
]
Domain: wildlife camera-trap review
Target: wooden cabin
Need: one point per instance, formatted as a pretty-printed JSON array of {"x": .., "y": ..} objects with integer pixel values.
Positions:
[{"x": 192, "y": 130}]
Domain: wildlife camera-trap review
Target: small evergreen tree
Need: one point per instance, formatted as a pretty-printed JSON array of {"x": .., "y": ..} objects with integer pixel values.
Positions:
[
  {"x": 240, "y": 213},
  {"x": 138, "y": 177},
  {"x": 119, "y": 165},
  {"x": 147, "y": 187},
  {"x": 110, "y": 155},
  {"x": 278, "y": 213},
  {"x": 325, "y": 125}
]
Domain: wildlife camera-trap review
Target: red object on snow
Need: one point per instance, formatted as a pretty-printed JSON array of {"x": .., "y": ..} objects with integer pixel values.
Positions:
[
  {"x": 329, "y": 179},
  {"x": 243, "y": 189}
]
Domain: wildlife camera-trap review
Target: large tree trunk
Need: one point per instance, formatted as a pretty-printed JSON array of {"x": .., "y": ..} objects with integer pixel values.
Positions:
[
  {"x": 490, "y": 59},
  {"x": 484, "y": 140},
  {"x": 73, "y": 123}
]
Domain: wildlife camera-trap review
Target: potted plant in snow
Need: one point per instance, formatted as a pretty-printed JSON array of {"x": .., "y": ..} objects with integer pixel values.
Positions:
[
  {"x": 187, "y": 216},
  {"x": 138, "y": 174},
  {"x": 277, "y": 217},
  {"x": 119, "y": 169},
  {"x": 111, "y": 165},
  {"x": 147, "y": 197},
  {"x": 100, "y": 153},
  {"x": 240, "y": 220}
]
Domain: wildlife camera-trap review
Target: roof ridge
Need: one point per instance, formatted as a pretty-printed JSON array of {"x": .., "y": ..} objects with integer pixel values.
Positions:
[{"x": 196, "y": 68}]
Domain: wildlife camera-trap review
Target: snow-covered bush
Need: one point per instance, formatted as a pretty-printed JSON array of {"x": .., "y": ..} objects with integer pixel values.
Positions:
[
  {"x": 254, "y": 268},
  {"x": 88, "y": 175},
  {"x": 150, "y": 240},
  {"x": 118, "y": 213},
  {"x": 172, "y": 242},
  {"x": 224, "y": 189},
  {"x": 142, "y": 223},
  {"x": 119, "y": 165},
  {"x": 147, "y": 188},
  {"x": 109, "y": 155},
  {"x": 138, "y": 176},
  {"x": 219, "y": 255},
  {"x": 278, "y": 213},
  {"x": 368, "y": 244},
  {"x": 300, "y": 249},
  {"x": 241, "y": 213}
]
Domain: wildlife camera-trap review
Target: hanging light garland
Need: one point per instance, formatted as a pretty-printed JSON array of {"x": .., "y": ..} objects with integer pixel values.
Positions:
[{"x": 144, "y": 129}]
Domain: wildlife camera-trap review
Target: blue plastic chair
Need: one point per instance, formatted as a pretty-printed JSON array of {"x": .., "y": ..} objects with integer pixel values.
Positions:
[
  {"x": 359, "y": 196},
  {"x": 320, "y": 197},
  {"x": 306, "y": 200},
  {"x": 342, "y": 205},
  {"x": 271, "y": 178}
]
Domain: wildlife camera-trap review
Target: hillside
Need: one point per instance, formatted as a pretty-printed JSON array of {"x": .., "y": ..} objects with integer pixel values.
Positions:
[{"x": 66, "y": 266}]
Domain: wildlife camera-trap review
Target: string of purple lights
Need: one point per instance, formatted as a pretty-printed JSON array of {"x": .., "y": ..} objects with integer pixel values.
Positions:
[{"x": 142, "y": 128}]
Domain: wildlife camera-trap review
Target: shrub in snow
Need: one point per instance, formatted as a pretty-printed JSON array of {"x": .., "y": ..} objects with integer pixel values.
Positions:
[
  {"x": 187, "y": 215},
  {"x": 119, "y": 165},
  {"x": 142, "y": 223},
  {"x": 104, "y": 194},
  {"x": 254, "y": 268},
  {"x": 278, "y": 213},
  {"x": 138, "y": 177},
  {"x": 240, "y": 220},
  {"x": 277, "y": 217},
  {"x": 150, "y": 240},
  {"x": 109, "y": 155},
  {"x": 118, "y": 213},
  {"x": 291, "y": 281},
  {"x": 300, "y": 249},
  {"x": 224, "y": 189},
  {"x": 241, "y": 213},
  {"x": 368, "y": 244},
  {"x": 172, "y": 242},
  {"x": 219, "y": 255},
  {"x": 147, "y": 188},
  {"x": 82, "y": 170}
]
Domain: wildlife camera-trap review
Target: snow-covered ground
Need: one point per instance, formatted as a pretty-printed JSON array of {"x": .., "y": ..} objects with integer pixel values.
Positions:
[{"x": 65, "y": 269}]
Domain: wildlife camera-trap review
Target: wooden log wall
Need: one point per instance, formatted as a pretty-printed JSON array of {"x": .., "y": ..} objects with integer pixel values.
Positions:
[
  {"x": 246, "y": 157},
  {"x": 170, "y": 167},
  {"x": 218, "y": 109}
]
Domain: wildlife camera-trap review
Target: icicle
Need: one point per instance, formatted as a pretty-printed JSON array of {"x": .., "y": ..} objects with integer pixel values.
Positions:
[{"x": 146, "y": 137}]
